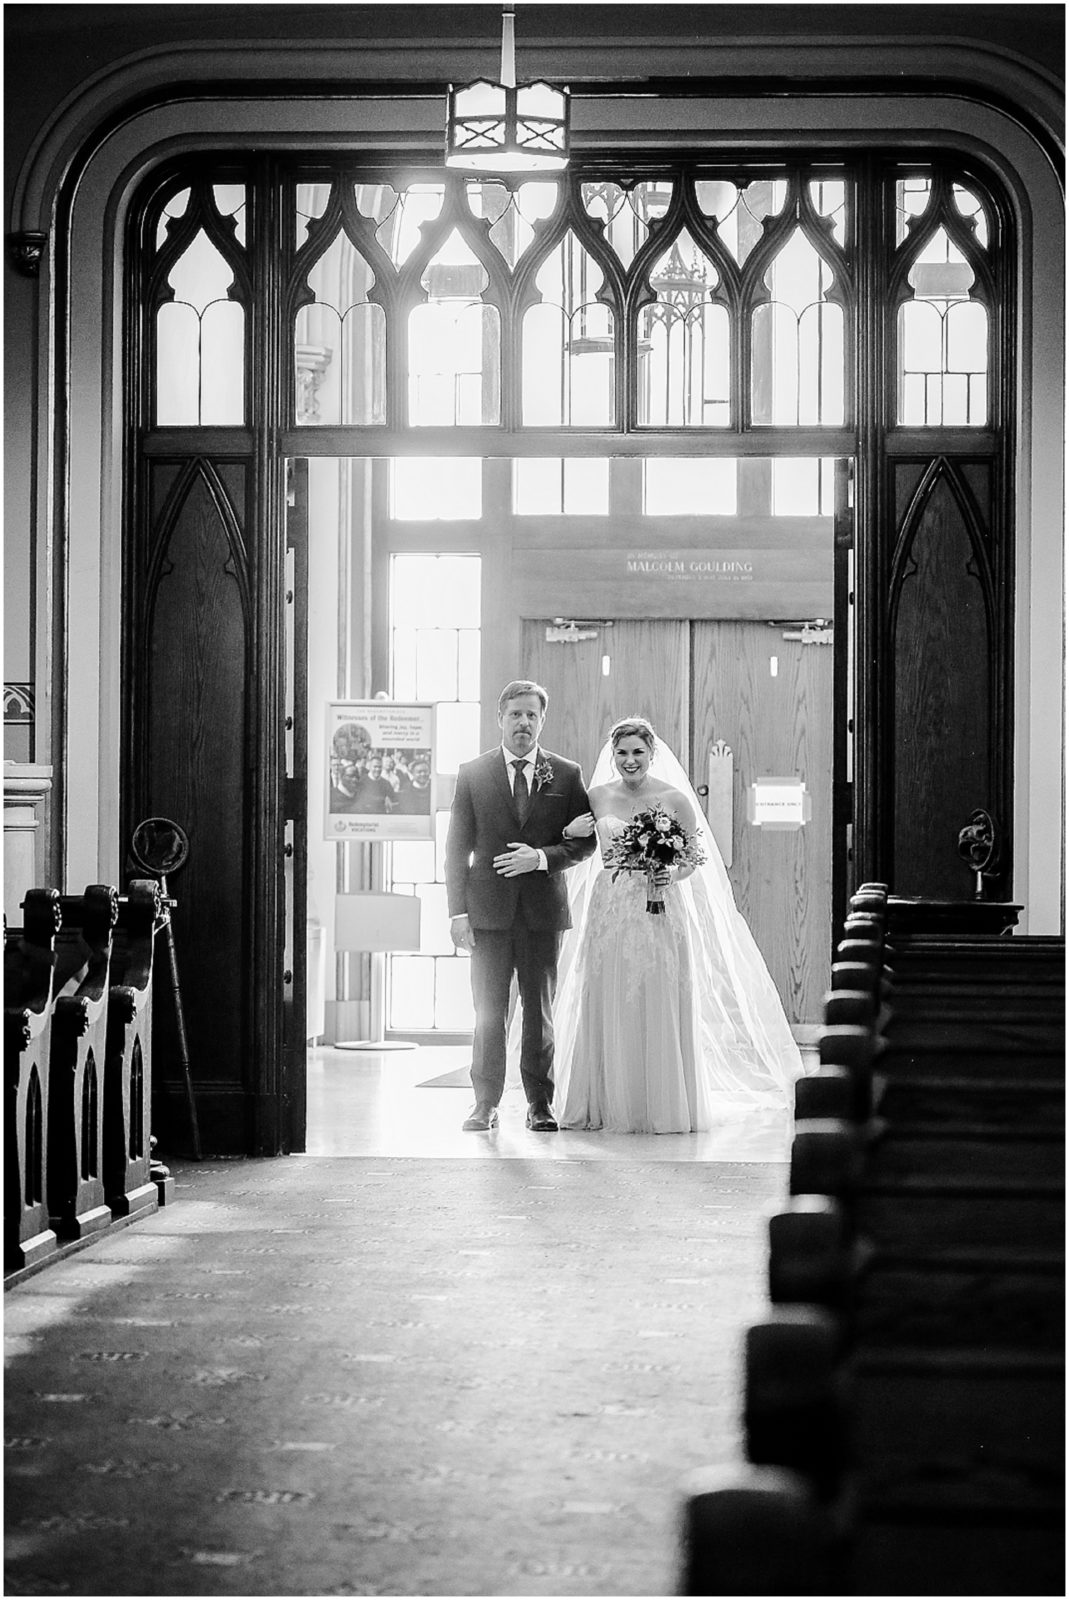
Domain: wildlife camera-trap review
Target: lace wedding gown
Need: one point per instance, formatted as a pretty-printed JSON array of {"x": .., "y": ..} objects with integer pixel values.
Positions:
[{"x": 665, "y": 1022}]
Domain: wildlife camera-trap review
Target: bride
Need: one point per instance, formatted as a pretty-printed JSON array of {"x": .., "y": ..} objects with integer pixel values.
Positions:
[{"x": 660, "y": 1020}]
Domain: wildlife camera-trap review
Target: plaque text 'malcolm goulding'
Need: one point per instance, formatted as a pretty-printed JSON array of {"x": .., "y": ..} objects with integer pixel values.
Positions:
[{"x": 689, "y": 565}]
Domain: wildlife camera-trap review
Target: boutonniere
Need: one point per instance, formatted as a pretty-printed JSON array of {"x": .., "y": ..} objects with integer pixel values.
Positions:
[{"x": 543, "y": 773}]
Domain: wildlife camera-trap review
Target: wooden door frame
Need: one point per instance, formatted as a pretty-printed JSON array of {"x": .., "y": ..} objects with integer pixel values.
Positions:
[{"x": 269, "y": 440}]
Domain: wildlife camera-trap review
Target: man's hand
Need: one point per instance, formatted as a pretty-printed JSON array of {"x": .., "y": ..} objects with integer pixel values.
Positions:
[
  {"x": 581, "y": 827},
  {"x": 462, "y": 933},
  {"x": 517, "y": 859}
]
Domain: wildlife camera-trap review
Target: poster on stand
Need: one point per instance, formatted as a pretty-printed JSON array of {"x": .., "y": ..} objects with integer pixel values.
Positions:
[{"x": 380, "y": 783}]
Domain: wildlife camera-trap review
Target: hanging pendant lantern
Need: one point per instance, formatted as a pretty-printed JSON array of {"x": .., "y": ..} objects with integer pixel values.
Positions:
[{"x": 505, "y": 127}]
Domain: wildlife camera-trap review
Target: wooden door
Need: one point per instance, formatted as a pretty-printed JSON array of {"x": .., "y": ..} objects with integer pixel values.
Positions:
[
  {"x": 699, "y": 682},
  {"x": 769, "y": 698},
  {"x": 647, "y": 676}
]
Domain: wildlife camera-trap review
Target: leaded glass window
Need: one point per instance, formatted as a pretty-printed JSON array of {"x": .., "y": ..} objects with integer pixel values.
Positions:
[
  {"x": 340, "y": 334},
  {"x": 569, "y": 343},
  {"x": 435, "y": 622},
  {"x": 454, "y": 343},
  {"x": 942, "y": 329},
  {"x": 693, "y": 296},
  {"x": 200, "y": 322},
  {"x": 684, "y": 342}
]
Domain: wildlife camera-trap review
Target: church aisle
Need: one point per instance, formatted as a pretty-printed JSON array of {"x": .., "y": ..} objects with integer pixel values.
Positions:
[
  {"x": 385, "y": 1375},
  {"x": 412, "y": 1103}
]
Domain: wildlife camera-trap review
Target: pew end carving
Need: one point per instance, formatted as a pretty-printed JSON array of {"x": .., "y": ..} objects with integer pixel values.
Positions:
[
  {"x": 76, "y": 1199},
  {"x": 129, "y": 1185},
  {"x": 29, "y": 974}
]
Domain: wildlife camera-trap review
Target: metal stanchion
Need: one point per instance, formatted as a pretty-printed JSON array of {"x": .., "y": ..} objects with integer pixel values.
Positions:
[{"x": 159, "y": 846}]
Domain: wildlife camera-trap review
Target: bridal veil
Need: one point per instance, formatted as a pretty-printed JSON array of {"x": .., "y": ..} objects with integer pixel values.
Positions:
[{"x": 747, "y": 1049}]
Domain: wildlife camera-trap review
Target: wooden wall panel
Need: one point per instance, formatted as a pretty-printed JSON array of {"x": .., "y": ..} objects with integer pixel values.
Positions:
[
  {"x": 196, "y": 736},
  {"x": 648, "y": 676},
  {"x": 659, "y": 581},
  {"x": 776, "y": 726},
  {"x": 942, "y": 657}
]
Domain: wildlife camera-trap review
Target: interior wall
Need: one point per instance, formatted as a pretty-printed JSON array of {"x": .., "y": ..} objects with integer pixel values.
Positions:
[
  {"x": 89, "y": 515},
  {"x": 19, "y": 306}
]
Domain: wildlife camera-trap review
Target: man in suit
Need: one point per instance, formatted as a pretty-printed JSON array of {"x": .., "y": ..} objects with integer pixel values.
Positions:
[{"x": 506, "y": 856}]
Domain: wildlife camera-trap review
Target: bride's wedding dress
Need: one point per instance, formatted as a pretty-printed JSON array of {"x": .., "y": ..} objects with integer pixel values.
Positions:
[
  {"x": 663, "y": 1022},
  {"x": 632, "y": 1064}
]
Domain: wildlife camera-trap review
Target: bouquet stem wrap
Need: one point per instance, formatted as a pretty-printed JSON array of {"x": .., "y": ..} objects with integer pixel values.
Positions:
[{"x": 654, "y": 896}]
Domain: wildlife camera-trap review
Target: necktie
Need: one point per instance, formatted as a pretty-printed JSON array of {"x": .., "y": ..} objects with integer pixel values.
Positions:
[{"x": 519, "y": 790}]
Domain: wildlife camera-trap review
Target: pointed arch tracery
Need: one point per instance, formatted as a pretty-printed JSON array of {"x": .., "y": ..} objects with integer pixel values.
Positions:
[{"x": 755, "y": 268}]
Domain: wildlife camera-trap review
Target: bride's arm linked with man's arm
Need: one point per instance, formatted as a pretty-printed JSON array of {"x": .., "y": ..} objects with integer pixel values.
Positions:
[{"x": 583, "y": 826}]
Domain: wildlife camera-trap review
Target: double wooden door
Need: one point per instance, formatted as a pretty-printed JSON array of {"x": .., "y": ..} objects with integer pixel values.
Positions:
[{"x": 767, "y": 692}]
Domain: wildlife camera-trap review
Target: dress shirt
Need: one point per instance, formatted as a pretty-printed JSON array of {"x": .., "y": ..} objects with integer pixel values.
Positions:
[{"x": 529, "y": 764}]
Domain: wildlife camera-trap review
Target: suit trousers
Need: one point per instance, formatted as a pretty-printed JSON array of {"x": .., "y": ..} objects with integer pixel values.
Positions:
[{"x": 530, "y": 953}]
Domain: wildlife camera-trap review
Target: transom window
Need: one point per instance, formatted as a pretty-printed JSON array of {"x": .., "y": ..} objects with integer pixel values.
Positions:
[
  {"x": 698, "y": 297},
  {"x": 646, "y": 337}
]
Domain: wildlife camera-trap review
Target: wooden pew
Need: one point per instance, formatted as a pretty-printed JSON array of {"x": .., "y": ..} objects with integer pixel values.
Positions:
[
  {"x": 29, "y": 968},
  {"x": 129, "y": 1187},
  {"x": 909, "y": 1377},
  {"x": 76, "y": 1199}
]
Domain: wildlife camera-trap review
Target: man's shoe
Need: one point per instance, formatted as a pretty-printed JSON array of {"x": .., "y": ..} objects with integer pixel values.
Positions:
[
  {"x": 481, "y": 1118},
  {"x": 540, "y": 1119}
]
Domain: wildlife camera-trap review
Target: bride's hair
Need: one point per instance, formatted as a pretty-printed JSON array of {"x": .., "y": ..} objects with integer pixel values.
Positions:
[{"x": 633, "y": 728}]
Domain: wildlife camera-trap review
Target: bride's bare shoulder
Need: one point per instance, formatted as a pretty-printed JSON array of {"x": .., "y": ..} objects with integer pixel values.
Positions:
[{"x": 676, "y": 801}]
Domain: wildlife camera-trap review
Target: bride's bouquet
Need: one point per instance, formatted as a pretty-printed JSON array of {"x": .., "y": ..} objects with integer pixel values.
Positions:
[{"x": 653, "y": 840}]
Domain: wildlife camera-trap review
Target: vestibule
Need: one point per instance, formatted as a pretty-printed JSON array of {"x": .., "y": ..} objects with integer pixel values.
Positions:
[{"x": 173, "y": 591}]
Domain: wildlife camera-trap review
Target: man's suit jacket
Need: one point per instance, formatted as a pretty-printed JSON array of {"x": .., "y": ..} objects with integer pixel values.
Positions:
[{"x": 484, "y": 821}]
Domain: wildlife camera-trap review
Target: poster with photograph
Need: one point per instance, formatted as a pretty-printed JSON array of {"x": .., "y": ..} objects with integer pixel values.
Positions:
[{"x": 380, "y": 783}]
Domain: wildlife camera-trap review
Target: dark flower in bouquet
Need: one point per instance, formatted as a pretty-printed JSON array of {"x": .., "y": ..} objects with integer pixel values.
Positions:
[{"x": 652, "y": 842}]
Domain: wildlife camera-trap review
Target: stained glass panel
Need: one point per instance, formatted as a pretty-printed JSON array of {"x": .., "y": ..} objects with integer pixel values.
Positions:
[
  {"x": 200, "y": 341},
  {"x": 513, "y": 212},
  {"x": 797, "y": 353},
  {"x": 970, "y": 207},
  {"x": 911, "y": 201},
  {"x": 230, "y": 202},
  {"x": 740, "y": 213},
  {"x": 175, "y": 207},
  {"x": 829, "y": 200},
  {"x": 401, "y": 214},
  {"x": 311, "y": 202},
  {"x": 684, "y": 343},
  {"x": 569, "y": 344},
  {"x": 340, "y": 342},
  {"x": 626, "y": 213},
  {"x": 942, "y": 341}
]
